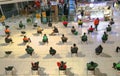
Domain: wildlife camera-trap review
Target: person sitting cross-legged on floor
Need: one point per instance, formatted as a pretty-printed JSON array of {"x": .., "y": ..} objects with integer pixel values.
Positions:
[
  {"x": 52, "y": 51},
  {"x": 61, "y": 65},
  {"x": 74, "y": 49},
  {"x": 7, "y": 31},
  {"x": 73, "y": 30},
  {"x": 50, "y": 24},
  {"x": 104, "y": 37},
  {"x": 111, "y": 21},
  {"x": 91, "y": 29},
  {"x": 35, "y": 25},
  {"x": 84, "y": 38},
  {"x": 91, "y": 66},
  {"x": 25, "y": 39},
  {"x": 21, "y": 25},
  {"x": 108, "y": 29},
  {"x": 64, "y": 39},
  {"x": 55, "y": 30},
  {"x": 45, "y": 38},
  {"x": 80, "y": 23},
  {"x": 117, "y": 49},
  {"x": 8, "y": 39},
  {"x": 116, "y": 66},
  {"x": 35, "y": 65},
  {"x": 29, "y": 50},
  {"x": 39, "y": 30},
  {"x": 98, "y": 50}
]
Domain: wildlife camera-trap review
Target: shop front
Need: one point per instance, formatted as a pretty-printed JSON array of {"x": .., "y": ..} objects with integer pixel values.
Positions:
[{"x": 94, "y": 10}]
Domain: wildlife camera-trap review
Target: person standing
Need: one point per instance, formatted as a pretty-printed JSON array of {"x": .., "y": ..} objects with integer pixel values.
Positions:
[
  {"x": 82, "y": 13},
  {"x": 96, "y": 23}
]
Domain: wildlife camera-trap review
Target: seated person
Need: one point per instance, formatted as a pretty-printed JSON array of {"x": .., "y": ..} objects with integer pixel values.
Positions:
[
  {"x": 49, "y": 24},
  {"x": 73, "y": 30},
  {"x": 117, "y": 49},
  {"x": 80, "y": 23},
  {"x": 64, "y": 39},
  {"x": 91, "y": 29},
  {"x": 39, "y": 30},
  {"x": 116, "y": 66},
  {"x": 9, "y": 68},
  {"x": 55, "y": 30},
  {"x": 8, "y": 39},
  {"x": 98, "y": 50},
  {"x": 35, "y": 66},
  {"x": 65, "y": 23},
  {"x": 111, "y": 21},
  {"x": 25, "y": 39},
  {"x": 104, "y": 37},
  {"x": 3, "y": 23},
  {"x": 45, "y": 38},
  {"x": 91, "y": 66},
  {"x": 108, "y": 29},
  {"x": 52, "y": 51},
  {"x": 35, "y": 25},
  {"x": 7, "y": 31},
  {"x": 74, "y": 49},
  {"x": 29, "y": 50},
  {"x": 61, "y": 65},
  {"x": 21, "y": 25},
  {"x": 84, "y": 37}
]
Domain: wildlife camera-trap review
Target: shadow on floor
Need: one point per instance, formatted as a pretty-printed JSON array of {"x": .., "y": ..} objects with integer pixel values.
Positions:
[
  {"x": 113, "y": 33},
  {"x": 80, "y": 54},
  {"x": 18, "y": 28},
  {"x": 41, "y": 43},
  {"x": 84, "y": 26},
  {"x": 69, "y": 73},
  {"x": 105, "y": 55},
  {"x": 41, "y": 72},
  {"x": 98, "y": 73},
  {"x": 110, "y": 42},
  {"x": 9, "y": 56},
  {"x": 24, "y": 56},
  {"x": 66, "y": 43},
  {"x": 48, "y": 56},
  {"x": 85, "y": 43},
  {"x": 67, "y": 26},
  {"x": 4, "y": 44},
  {"x": 71, "y": 34},
  {"x": 94, "y": 33},
  {"x": 35, "y": 34},
  {"x": 22, "y": 44},
  {"x": 34, "y": 55}
]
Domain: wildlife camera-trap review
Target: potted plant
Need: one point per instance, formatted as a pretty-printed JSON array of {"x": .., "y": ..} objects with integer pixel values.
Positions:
[{"x": 65, "y": 23}]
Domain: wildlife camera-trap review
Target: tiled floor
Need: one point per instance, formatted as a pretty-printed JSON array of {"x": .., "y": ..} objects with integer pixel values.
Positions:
[{"x": 76, "y": 65}]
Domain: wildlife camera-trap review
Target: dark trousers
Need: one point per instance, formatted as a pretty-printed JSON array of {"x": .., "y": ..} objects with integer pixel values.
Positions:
[{"x": 96, "y": 27}]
